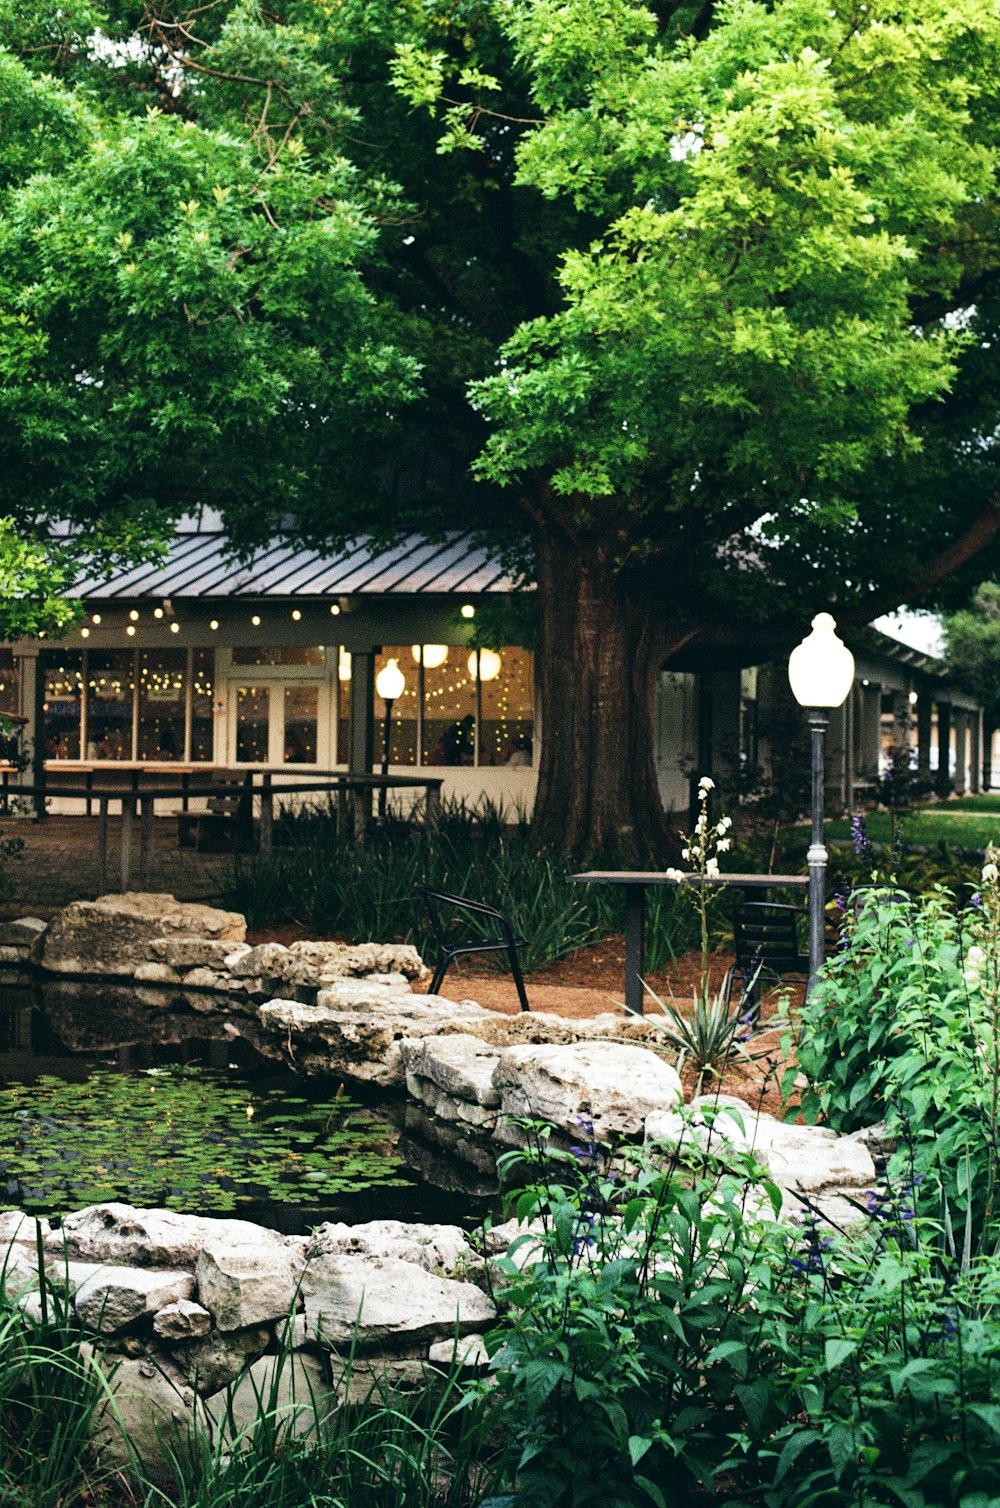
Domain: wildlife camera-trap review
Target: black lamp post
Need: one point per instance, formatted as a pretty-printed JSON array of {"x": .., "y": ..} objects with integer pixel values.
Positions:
[
  {"x": 389, "y": 684},
  {"x": 821, "y": 673}
]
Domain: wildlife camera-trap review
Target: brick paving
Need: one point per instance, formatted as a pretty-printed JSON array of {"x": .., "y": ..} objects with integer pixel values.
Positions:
[{"x": 59, "y": 864}]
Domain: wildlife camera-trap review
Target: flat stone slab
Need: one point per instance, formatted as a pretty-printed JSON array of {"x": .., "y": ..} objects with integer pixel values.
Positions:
[
  {"x": 443, "y": 1249},
  {"x": 608, "y": 1086},
  {"x": 360, "y": 1038},
  {"x": 155, "y": 1238},
  {"x": 801, "y": 1159},
  {"x": 114, "y": 934},
  {"x": 377, "y": 1300},
  {"x": 459, "y": 1064},
  {"x": 113, "y": 1298}
]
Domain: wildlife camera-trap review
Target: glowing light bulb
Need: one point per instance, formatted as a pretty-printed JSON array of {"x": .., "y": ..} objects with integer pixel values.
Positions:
[
  {"x": 175, "y": 628},
  {"x": 433, "y": 655},
  {"x": 335, "y": 609},
  {"x": 96, "y": 618},
  {"x": 468, "y": 611},
  {"x": 134, "y": 616},
  {"x": 214, "y": 624},
  {"x": 489, "y": 664},
  {"x": 85, "y": 633},
  {"x": 255, "y": 620},
  {"x": 157, "y": 612},
  {"x": 344, "y": 665},
  {"x": 296, "y": 615}
]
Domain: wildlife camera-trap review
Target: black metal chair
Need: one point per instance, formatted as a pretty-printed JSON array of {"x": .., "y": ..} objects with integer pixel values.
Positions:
[
  {"x": 508, "y": 941},
  {"x": 766, "y": 944}
]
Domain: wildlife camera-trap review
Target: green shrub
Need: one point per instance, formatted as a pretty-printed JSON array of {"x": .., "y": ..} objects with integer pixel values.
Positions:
[{"x": 631, "y": 1350}]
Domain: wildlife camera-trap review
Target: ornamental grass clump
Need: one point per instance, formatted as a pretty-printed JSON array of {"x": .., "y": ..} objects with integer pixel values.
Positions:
[{"x": 718, "y": 1030}]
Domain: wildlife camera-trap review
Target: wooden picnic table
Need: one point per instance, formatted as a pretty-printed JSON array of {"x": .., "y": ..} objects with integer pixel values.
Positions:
[{"x": 635, "y": 883}]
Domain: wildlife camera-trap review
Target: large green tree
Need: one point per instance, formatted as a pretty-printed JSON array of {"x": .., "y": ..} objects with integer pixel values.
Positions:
[{"x": 696, "y": 290}]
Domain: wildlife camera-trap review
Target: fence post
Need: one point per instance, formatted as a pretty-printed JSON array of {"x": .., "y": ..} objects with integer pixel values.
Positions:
[
  {"x": 102, "y": 843},
  {"x": 433, "y": 804},
  {"x": 146, "y": 838},
  {"x": 128, "y": 821},
  {"x": 266, "y": 813}
]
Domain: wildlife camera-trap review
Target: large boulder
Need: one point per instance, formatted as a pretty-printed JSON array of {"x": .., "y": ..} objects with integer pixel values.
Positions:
[
  {"x": 249, "y": 1285},
  {"x": 372, "y": 1302},
  {"x": 810, "y": 1160},
  {"x": 293, "y": 1391},
  {"x": 443, "y": 1249},
  {"x": 598, "y": 1089},
  {"x": 156, "y": 1238},
  {"x": 151, "y": 1410},
  {"x": 115, "y": 933},
  {"x": 356, "y": 1027}
]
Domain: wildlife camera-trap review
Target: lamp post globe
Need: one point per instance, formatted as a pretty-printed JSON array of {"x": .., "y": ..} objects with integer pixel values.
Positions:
[
  {"x": 821, "y": 673},
  {"x": 390, "y": 683}
]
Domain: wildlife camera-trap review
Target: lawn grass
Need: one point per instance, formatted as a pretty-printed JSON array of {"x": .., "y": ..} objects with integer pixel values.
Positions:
[{"x": 956, "y": 823}]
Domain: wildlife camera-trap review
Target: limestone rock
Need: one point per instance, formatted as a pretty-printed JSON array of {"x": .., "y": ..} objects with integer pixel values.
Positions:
[
  {"x": 216, "y": 1361},
  {"x": 346, "y": 960},
  {"x": 23, "y": 932},
  {"x": 385, "y": 1299},
  {"x": 18, "y": 1269},
  {"x": 153, "y": 1406},
  {"x": 192, "y": 952},
  {"x": 379, "y": 1379},
  {"x": 468, "y": 1351},
  {"x": 292, "y": 1389},
  {"x": 459, "y": 1064},
  {"x": 613, "y": 1086},
  {"x": 361, "y": 1040},
  {"x": 113, "y": 934},
  {"x": 183, "y": 1320},
  {"x": 154, "y": 1238},
  {"x": 17, "y": 1226},
  {"x": 115, "y": 1297},
  {"x": 437, "y": 1248},
  {"x": 267, "y": 960},
  {"x": 249, "y": 1285},
  {"x": 446, "y": 1107},
  {"x": 153, "y": 971},
  {"x": 802, "y": 1159}
]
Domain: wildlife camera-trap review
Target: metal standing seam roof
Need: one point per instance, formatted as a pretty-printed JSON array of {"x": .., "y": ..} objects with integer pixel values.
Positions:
[{"x": 198, "y": 565}]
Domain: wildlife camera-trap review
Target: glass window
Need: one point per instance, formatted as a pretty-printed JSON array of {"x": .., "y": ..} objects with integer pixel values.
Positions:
[
  {"x": 301, "y": 724},
  {"x": 202, "y": 693},
  {"x": 403, "y": 728},
  {"x": 449, "y": 710},
  {"x": 110, "y": 687},
  {"x": 253, "y": 724},
  {"x": 63, "y": 671},
  {"x": 279, "y": 654},
  {"x": 162, "y": 673},
  {"x": 507, "y": 706}
]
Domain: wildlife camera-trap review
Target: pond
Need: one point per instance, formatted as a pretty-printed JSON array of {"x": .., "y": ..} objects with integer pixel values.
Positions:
[{"x": 113, "y": 1093}]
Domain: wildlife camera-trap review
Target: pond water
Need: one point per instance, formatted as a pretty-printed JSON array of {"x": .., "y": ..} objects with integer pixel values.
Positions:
[{"x": 115, "y": 1093}]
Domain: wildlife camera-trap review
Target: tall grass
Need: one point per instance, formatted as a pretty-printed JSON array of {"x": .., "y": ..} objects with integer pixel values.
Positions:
[{"x": 322, "y": 878}]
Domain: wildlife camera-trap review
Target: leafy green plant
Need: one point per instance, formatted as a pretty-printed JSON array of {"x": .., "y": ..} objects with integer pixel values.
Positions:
[
  {"x": 714, "y": 1034},
  {"x": 625, "y": 1351},
  {"x": 186, "y": 1138}
]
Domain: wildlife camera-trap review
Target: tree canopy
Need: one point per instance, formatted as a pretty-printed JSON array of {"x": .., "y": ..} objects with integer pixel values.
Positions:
[{"x": 701, "y": 293}]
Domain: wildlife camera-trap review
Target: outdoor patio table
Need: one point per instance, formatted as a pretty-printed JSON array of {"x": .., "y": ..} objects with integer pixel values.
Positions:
[{"x": 635, "y": 883}]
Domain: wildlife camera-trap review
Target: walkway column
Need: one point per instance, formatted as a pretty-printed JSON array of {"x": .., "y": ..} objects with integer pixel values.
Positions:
[
  {"x": 976, "y": 751},
  {"x": 989, "y": 728},
  {"x": 837, "y": 790},
  {"x": 924, "y": 739},
  {"x": 869, "y": 730},
  {"x": 361, "y": 732},
  {"x": 943, "y": 782},
  {"x": 961, "y": 721},
  {"x": 32, "y": 705}
]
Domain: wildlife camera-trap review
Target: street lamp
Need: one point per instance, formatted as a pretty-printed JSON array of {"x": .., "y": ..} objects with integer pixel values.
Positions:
[
  {"x": 821, "y": 673},
  {"x": 389, "y": 684}
]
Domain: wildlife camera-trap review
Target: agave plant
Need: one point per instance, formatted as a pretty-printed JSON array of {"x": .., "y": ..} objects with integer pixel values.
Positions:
[{"x": 715, "y": 1032}]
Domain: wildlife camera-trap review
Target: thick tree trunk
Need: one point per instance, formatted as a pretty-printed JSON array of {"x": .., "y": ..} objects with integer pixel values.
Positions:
[{"x": 600, "y": 653}]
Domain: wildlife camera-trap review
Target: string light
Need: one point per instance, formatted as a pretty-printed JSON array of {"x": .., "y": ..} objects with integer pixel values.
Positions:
[
  {"x": 134, "y": 616},
  {"x": 175, "y": 628},
  {"x": 157, "y": 612},
  {"x": 85, "y": 633},
  {"x": 468, "y": 611},
  {"x": 214, "y": 624},
  {"x": 335, "y": 609},
  {"x": 96, "y": 618},
  {"x": 296, "y": 615},
  {"x": 255, "y": 620},
  {"x": 131, "y": 630}
]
